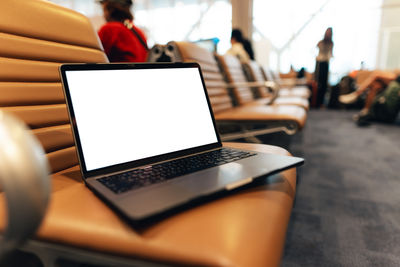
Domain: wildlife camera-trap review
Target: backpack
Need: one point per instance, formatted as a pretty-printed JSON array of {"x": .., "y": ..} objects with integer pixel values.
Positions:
[
  {"x": 386, "y": 105},
  {"x": 345, "y": 86}
]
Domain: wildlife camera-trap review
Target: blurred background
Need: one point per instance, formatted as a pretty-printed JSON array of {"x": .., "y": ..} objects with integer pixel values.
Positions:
[{"x": 284, "y": 33}]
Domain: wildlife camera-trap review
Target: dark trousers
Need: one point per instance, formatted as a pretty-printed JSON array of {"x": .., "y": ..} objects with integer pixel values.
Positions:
[{"x": 321, "y": 71}]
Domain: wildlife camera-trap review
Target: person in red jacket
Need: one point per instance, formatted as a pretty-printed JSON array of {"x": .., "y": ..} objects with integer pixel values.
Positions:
[{"x": 122, "y": 40}]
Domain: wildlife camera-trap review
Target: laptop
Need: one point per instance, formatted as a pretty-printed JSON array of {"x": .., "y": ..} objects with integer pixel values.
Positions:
[{"x": 147, "y": 141}]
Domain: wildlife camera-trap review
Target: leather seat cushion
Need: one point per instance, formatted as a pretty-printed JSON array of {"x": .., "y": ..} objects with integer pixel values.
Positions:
[
  {"x": 262, "y": 113},
  {"x": 244, "y": 228},
  {"x": 298, "y": 91},
  {"x": 282, "y": 100}
]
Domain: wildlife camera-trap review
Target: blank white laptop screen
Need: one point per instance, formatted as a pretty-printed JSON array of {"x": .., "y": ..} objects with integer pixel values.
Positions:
[{"x": 126, "y": 115}]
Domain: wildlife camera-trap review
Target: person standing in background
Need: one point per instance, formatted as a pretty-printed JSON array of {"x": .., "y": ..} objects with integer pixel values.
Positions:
[
  {"x": 122, "y": 40},
  {"x": 325, "y": 47}
]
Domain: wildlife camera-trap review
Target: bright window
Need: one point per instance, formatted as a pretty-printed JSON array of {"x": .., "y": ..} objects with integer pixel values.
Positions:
[
  {"x": 167, "y": 20},
  {"x": 290, "y": 30}
]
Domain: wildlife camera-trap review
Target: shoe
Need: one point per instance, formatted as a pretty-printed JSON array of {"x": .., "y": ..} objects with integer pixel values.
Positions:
[
  {"x": 362, "y": 118},
  {"x": 349, "y": 98}
]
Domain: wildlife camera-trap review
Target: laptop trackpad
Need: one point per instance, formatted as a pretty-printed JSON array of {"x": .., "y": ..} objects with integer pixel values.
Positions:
[{"x": 142, "y": 203}]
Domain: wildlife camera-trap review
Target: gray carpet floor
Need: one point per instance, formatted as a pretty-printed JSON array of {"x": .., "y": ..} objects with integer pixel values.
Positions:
[{"x": 347, "y": 208}]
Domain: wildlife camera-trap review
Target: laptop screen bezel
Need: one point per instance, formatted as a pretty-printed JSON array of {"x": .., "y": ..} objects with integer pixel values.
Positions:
[{"x": 136, "y": 163}]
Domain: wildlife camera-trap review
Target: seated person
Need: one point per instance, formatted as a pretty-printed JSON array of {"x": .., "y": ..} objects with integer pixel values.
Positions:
[
  {"x": 376, "y": 78},
  {"x": 382, "y": 103},
  {"x": 301, "y": 73},
  {"x": 122, "y": 41},
  {"x": 238, "y": 48}
]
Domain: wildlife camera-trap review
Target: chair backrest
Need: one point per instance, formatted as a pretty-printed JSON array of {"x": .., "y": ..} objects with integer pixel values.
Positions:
[
  {"x": 234, "y": 73},
  {"x": 36, "y": 36},
  {"x": 275, "y": 75},
  {"x": 254, "y": 73},
  {"x": 216, "y": 86},
  {"x": 268, "y": 74}
]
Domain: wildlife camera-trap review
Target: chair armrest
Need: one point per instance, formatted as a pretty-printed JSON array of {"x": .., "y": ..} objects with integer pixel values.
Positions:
[
  {"x": 292, "y": 82},
  {"x": 24, "y": 178},
  {"x": 271, "y": 86}
]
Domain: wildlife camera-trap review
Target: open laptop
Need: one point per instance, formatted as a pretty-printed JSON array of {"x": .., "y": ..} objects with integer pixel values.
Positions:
[{"x": 146, "y": 137}]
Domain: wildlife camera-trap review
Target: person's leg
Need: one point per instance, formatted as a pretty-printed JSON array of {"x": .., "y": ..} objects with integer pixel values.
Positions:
[
  {"x": 381, "y": 77},
  {"x": 375, "y": 88},
  {"x": 316, "y": 71},
  {"x": 322, "y": 82},
  {"x": 364, "y": 116},
  {"x": 378, "y": 78}
]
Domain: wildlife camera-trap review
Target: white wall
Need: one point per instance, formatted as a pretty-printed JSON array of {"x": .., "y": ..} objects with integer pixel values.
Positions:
[{"x": 388, "y": 53}]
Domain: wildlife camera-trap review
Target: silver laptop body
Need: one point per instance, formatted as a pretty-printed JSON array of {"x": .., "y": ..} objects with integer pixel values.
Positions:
[{"x": 133, "y": 117}]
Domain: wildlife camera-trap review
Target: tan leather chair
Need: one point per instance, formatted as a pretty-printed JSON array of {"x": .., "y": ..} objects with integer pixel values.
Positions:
[
  {"x": 271, "y": 118},
  {"x": 362, "y": 75},
  {"x": 244, "y": 228},
  {"x": 287, "y": 87},
  {"x": 254, "y": 73},
  {"x": 290, "y": 78}
]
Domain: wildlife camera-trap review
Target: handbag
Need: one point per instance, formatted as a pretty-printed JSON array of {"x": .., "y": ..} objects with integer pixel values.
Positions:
[{"x": 129, "y": 25}]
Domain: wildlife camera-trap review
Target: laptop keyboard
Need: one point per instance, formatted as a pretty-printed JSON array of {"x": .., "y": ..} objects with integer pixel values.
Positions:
[{"x": 122, "y": 182}]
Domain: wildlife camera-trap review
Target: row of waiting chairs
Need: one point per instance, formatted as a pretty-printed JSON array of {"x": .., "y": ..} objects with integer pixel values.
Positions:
[
  {"x": 245, "y": 228},
  {"x": 287, "y": 96},
  {"x": 239, "y": 99}
]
